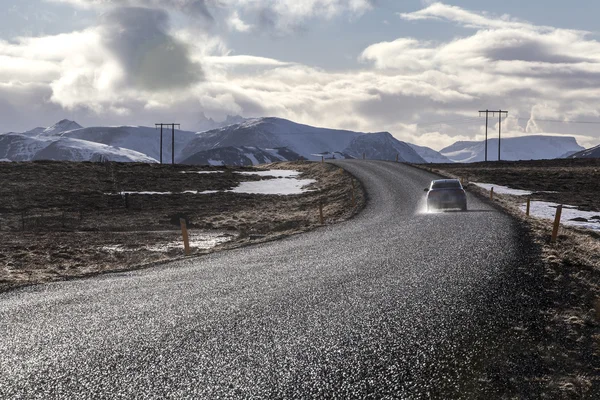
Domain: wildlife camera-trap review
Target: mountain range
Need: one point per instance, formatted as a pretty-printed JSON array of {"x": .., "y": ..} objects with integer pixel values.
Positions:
[
  {"x": 534, "y": 147},
  {"x": 255, "y": 141}
]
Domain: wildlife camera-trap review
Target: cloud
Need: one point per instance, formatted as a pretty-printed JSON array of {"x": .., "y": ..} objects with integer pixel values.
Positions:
[
  {"x": 277, "y": 16},
  {"x": 189, "y": 7},
  {"x": 148, "y": 55},
  {"x": 115, "y": 72}
]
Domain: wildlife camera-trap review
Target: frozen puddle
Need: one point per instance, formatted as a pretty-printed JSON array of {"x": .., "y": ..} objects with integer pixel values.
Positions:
[
  {"x": 547, "y": 210},
  {"x": 202, "y": 172},
  {"x": 198, "y": 240},
  {"x": 279, "y": 186},
  {"x": 283, "y": 182},
  {"x": 275, "y": 173}
]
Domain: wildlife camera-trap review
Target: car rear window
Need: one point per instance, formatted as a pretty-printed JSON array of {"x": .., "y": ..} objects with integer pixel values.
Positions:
[{"x": 446, "y": 185}]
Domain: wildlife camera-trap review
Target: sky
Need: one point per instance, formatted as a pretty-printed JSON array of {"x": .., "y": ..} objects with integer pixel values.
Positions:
[{"x": 419, "y": 69}]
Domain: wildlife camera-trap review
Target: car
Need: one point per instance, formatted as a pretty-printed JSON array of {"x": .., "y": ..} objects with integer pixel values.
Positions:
[{"x": 446, "y": 194}]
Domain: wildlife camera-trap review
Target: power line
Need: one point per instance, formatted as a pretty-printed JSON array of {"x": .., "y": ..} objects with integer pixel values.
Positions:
[
  {"x": 172, "y": 140},
  {"x": 451, "y": 122},
  {"x": 500, "y": 113},
  {"x": 559, "y": 121}
]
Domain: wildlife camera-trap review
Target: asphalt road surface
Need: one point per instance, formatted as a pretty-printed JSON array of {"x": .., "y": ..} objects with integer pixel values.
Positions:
[{"x": 394, "y": 303}]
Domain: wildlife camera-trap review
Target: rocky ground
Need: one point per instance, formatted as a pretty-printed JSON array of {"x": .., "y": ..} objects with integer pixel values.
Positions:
[
  {"x": 570, "y": 344},
  {"x": 61, "y": 220}
]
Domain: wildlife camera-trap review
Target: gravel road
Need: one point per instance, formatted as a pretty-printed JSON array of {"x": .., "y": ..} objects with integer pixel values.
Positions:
[{"x": 394, "y": 303}]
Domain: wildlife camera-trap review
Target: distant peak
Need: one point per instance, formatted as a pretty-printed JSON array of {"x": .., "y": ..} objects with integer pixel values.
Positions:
[
  {"x": 62, "y": 126},
  {"x": 67, "y": 122}
]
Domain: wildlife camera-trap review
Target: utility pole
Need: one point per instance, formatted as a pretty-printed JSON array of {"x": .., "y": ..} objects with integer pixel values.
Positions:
[
  {"x": 500, "y": 113},
  {"x": 172, "y": 140},
  {"x": 500, "y": 129}
]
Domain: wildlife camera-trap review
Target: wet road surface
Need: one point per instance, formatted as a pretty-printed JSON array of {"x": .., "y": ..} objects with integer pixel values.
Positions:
[{"x": 395, "y": 303}]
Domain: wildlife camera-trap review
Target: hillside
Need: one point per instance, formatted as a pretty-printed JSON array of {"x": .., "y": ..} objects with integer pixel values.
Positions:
[
  {"x": 535, "y": 147},
  {"x": 307, "y": 141},
  {"x": 594, "y": 152},
  {"x": 241, "y": 156},
  {"x": 382, "y": 146},
  {"x": 430, "y": 155}
]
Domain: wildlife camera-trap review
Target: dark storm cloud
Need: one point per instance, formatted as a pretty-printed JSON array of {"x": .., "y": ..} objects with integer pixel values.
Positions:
[
  {"x": 532, "y": 51},
  {"x": 151, "y": 58}
]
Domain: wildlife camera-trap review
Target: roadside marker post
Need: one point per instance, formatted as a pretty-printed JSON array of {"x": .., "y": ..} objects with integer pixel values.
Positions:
[
  {"x": 528, "y": 206},
  {"x": 492, "y": 194},
  {"x": 396, "y": 157},
  {"x": 321, "y": 221},
  {"x": 556, "y": 223},
  {"x": 322, "y": 159},
  {"x": 186, "y": 240}
]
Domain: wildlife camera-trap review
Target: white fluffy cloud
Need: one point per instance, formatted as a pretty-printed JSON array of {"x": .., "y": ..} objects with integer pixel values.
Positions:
[{"x": 115, "y": 72}]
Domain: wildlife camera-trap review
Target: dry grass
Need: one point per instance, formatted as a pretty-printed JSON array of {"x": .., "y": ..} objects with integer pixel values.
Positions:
[{"x": 71, "y": 229}]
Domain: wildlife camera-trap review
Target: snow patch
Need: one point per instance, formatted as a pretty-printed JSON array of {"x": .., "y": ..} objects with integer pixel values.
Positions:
[
  {"x": 547, "y": 210},
  {"x": 278, "y": 186},
  {"x": 202, "y": 172},
  {"x": 499, "y": 189},
  {"x": 276, "y": 173}
]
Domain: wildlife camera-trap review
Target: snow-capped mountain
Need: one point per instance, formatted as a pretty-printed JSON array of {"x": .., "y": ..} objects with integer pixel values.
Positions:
[
  {"x": 242, "y": 155},
  {"x": 20, "y": 147},
  {"x": 535, "y": 147},
  {"x": 142, "y": 139},
  {"x": 594, "y": 152},
  {"x": 66, "y": 149},
  {"x": 307, "y": 141},
  {"x": 382, "y": 146},
  {"x": 272, "y": 133},
  {"x": 208, "y": 124},
  {"x": 430, "y": 155},
  {"x": 59, "y": 127}
]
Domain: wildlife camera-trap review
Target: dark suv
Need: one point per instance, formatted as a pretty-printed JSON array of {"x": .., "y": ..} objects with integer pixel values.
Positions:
[{"x": 446, "y": 194}]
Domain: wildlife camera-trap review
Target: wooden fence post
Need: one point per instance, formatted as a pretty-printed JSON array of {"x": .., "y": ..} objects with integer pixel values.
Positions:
[
  {"x": 556, "y": 223},
  {"x": 186, "y": 240},
  {"x": 321, "y": 220}
]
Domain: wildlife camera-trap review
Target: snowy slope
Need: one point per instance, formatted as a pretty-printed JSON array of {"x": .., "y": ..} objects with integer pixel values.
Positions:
[
  {"x": 19, "y": 147},
  {"x": 594, "y": 152},
  {"x": 382, "y": 146},
  {"x": 430, "y": 155},
  {"x": 271, "y": 133},
  {"x": 242, "y": 155},
  {"x": 65, "y": 149},
  {"x": 307, "y": 141},
  {"x": 138, "y": 138},
  {"x": 536, "y": 147}
]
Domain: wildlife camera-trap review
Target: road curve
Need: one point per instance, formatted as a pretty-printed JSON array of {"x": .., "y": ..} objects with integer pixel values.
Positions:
[{"x": 395, "y": 303}]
